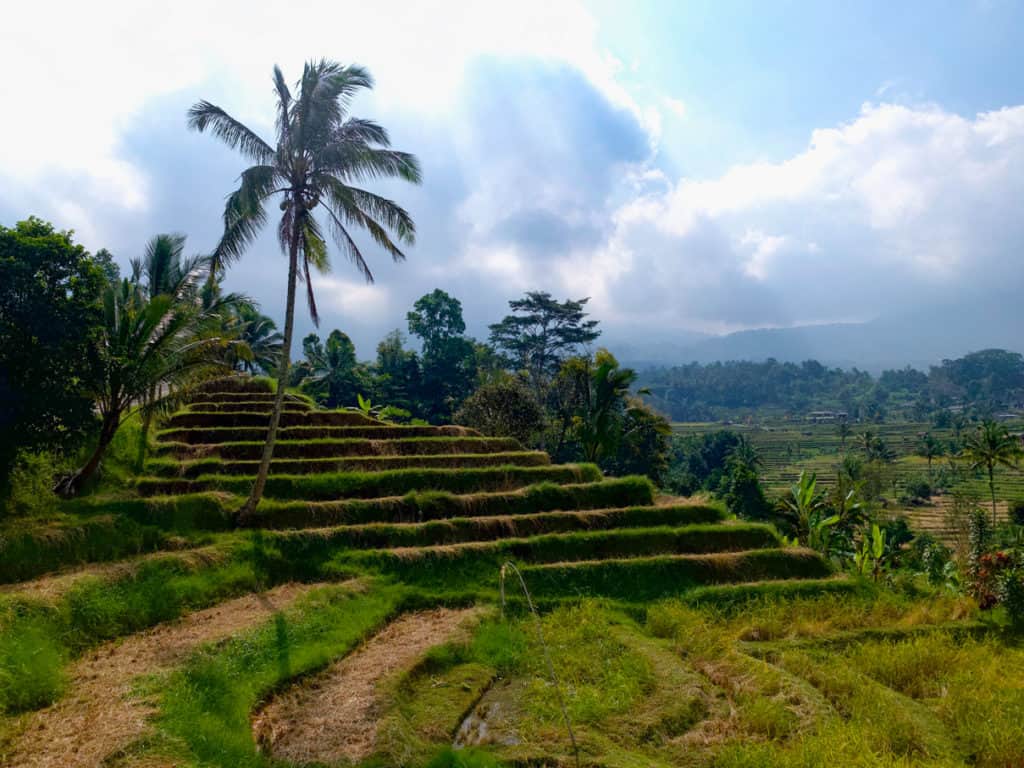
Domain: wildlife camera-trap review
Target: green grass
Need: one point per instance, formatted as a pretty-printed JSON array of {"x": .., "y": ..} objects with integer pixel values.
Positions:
[
  {"x": 348, "y": 447},
  {"x": 440, "y": 505},
  {"x": 463, "y": 529},
  {"x": 191, "y": 469},
  {"x": 193, "y": 419},
  {"x": 480, "y": 561},
  {"x": 205, "y": 435},
  {"x": 650, "y": 578},
  {"x": 395, "y": 482},
  {"x": 28, "y": 549},
  {"x": 205, "y": 706}
]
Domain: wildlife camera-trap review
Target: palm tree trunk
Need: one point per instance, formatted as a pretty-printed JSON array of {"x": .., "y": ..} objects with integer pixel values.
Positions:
[
  {"x": 249, "y": 508},
  {"x": 71, "y": 485},
  {"x": 992, "y": 490}
]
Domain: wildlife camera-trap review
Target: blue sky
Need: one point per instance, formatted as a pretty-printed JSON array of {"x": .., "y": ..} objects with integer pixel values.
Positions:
[{"x": 694, "y": 167}]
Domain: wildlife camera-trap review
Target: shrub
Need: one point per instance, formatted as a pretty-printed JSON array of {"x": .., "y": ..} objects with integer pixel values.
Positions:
[
  {"x": 916, "y": 490},
  {"x": 1010, "y": 592},
  {"x": 1017, "y": 512},
  {"x": 31, "y": 665},
  {"x": 30, "y": 486},
  {"x": 504, "y": 408}
]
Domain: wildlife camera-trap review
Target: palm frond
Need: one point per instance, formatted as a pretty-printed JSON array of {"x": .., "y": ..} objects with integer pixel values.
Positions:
[
  {"x": 235, "y": 134},
  {"x": 244, "y": 213}
]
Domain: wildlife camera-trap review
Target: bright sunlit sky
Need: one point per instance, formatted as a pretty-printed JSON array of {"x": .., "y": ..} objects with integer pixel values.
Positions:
[{"x": 691, "y": 166}]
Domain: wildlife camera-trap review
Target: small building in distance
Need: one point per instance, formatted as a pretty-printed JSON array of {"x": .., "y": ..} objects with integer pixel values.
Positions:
[{"x": 826, "y": 417}]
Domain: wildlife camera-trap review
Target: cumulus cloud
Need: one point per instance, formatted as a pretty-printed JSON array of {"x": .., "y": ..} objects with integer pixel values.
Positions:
[
  {"x": 543, "y": 169},
  {"x": 900, "y": 205}
]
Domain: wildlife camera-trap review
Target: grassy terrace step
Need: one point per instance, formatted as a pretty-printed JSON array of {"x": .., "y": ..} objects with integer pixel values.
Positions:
[
  {"x": 261, "y": 398},
  {"x": 424, "y": 506},
  {"x": 250, "y": 406},
  {"x": 215, "y": 511},
  {"x": 289, "y": 418},
  {"x": 237, "y": 385},
  {"x": 324, "y": 449},
  {"x": 374, "y": 484},
  {"x": 568, "y": 547},
  {"x": 464, "y": 529},
  {"x": 191, "y": 469},
  {"x": 650, "y": 578},
  {"x": 731, "y": 597},
  {"x": 246, "y": 434}
]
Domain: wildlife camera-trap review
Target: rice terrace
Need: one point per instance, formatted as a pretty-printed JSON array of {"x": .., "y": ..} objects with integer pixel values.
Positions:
[{"x": 626, "y": 487}]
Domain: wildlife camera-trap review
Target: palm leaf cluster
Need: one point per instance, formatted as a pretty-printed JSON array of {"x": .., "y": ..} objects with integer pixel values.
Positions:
[{"x": 316, "y": 171}]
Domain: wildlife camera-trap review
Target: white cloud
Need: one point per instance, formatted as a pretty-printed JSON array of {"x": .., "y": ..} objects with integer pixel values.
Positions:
[
  {"x": 82, "y": 71},
  {"x": 676, "y": 106},
  {"x": 899, "y": 205}
]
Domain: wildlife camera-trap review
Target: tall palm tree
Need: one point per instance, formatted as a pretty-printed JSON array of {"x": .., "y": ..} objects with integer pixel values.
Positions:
[
  {"x": 989, "y": 446},
  {"x": 320, "y": 158}
]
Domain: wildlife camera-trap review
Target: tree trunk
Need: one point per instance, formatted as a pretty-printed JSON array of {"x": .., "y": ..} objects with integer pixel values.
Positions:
[
  {"x": 72, "y": 484},
  {"x": 249, "y": 508},
  {"x": 992, "y": 490}
]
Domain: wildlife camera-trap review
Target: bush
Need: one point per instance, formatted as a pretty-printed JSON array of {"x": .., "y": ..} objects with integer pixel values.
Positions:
[
  {"x": 504, "y": 408},
  {"x": 916, "y": 490},
  {"x": 30, "y": 486},
  {"x": 1010, "y": 591},
  {"x": 1017, "y": 512},
  {"x": 744, "y": 496}
]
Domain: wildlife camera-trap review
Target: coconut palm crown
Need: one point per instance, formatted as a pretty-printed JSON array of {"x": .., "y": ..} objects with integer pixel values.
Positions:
[{"x": 314, "y": 172}]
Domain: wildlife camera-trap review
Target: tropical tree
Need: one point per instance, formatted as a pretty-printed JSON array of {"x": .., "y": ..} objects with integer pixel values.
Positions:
[
  {"x": 806, "y": 512},
  {"x": 259, "y": 342},
  {"x": 598, "y": 422},
  {"x": 50, "y": 315},
  {"x": 541, "y": 333},
  {"x": 930, "y": 448},
  {"x": 448, "y": 362},
  {"x": 147, "y": 344},
  {"x": 844, "y": 430},
  {"x": 334, "y": 375},
  {"x": 989, "y": 446},
  {"x": 164, "y": 270},
  {"x": 321, "y": 157}
]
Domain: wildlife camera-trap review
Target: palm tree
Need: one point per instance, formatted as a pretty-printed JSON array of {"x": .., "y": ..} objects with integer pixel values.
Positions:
[
  {"x": 930, "y": 448},
  {"x": 259, "y": 347},
  {"x": 604, "y": 399},
  {"x": 844, "y": 430},
  {"x": 148, "y": 344},
  {"x": 989, "y": 446},
  {"x": 163, "y": 270},
  {"x": 320, "y": 157}
]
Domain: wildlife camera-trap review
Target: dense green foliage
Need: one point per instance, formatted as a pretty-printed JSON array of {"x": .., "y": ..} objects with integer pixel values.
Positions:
[
  {"x": 50, "y": 316},
  {"x": 986, "y": 381}
]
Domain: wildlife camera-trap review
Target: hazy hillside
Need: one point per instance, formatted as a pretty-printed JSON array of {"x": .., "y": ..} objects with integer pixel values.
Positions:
[{"x": 919, "y": 339}]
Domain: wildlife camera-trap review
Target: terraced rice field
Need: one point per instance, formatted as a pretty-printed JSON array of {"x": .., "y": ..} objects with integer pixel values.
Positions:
[
  {"x": 396, "y": 525},
  {"x": 787, "y": 449}
]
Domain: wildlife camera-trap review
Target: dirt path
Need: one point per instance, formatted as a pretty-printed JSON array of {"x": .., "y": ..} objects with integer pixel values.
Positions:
[
  {"x": 98, "y": 716},
  {"x": 334, "y": 716}
]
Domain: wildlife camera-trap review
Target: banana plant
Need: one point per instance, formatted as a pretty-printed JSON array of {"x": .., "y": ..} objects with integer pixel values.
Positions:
[
  {"x": 872, "y": 556},
  {"x": 806, "y": 511}
]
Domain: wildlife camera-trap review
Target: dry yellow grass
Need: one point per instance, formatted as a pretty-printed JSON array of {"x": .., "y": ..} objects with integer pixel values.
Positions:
[{"x": 100, "y": 716}]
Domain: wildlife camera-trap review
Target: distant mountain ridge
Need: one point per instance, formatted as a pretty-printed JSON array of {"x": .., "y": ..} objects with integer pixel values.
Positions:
[{"x": 918, "y": 339}]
